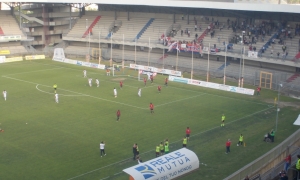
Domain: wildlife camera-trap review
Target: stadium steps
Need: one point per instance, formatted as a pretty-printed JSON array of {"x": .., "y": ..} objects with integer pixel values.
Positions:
[
  {"x": 268, "y": 43},
  {"x": 163, "y": 57},
  {"x": 91, "y": 26},
  {"x": 1, "y": 32},
  {"x": 202, "y": 36},
  {"x": 144, "y": 29},
  {"x": 297, "y": 57},
  {"x": 293, "y": 77},
  {"x": 223, "y": 66}
]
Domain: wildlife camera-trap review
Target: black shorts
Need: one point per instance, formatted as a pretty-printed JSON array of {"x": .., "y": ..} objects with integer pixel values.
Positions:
[
  {"x": 151, "y": 109},
  {"x": 183, "y": 145},
  {"x": 187, "y": 135},
  {"x": 162, "y": 151},
  {"x": 54, "y": 88},
  {"x": 223, "y": 120}
]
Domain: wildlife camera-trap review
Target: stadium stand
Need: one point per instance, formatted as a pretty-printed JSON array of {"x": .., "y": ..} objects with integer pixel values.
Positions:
[
  {"x": 9, "y": 25},
  {"x": 157, "y": 28},
  {"x": 293, "y": 77},
  {"x": 1, "y": 32},
  {"x": 91, "y": 26}
]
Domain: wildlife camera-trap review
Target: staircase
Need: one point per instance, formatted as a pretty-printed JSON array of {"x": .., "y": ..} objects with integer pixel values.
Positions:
[
  {"x": 1, "y": 32},
  {"x": 91, "y": 26},
  {"x": 293, "y": 77},
  {"x": 223, "y": 66},
  {"x": 163, "y": 57},
  {"x": 269, "y": 41},
  {"x": 297, "y": 57},
  {"x": 144, "y": 29},
  {"x": 202, "y": 36}
]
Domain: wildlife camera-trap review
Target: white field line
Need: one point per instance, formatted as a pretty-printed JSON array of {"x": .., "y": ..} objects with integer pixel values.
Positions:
[
  {"x": 168, "y": 86},
  {"x": 219, "y": 96},
  {"x": 170, "y": 143},
  {"x": 124, "y": 85},
  {"x": 155, "y": 83},
  {"x": 53, "y": 93},
  {"x": 32, "y": 71},
  {"x": 78, "y": 93},
  {"x": 180, "y": 100}
]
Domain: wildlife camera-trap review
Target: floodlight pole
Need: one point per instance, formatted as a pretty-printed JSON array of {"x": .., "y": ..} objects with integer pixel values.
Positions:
[{"x": 277, "y": 107}]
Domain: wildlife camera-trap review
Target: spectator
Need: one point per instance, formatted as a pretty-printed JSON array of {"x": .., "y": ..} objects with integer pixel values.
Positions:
[
  {"x": 181, "y": 32},
  {"x": 195, "y": 27},
  {"x": 282, "y": 175},
  {"x": 196, "y": 36},
  {"x": 278, "y": 54},
  {"x": 246, "y": 178},
  {"x": 228, "y": 143},
  {"x": 189, "y": 33},
  {"x": 288, "y": 161}
]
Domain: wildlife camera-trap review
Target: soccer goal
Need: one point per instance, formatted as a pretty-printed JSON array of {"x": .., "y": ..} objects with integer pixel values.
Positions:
[{"x": 126, "y": 71}]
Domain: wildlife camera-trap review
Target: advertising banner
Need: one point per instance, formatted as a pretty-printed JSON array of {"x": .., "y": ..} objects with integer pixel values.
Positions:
[
  {"x": 169, "y": 166},
  {"x": 252, "y": 54},
  {"x": 4, "y": 52},
  {"x": 7, "y": 38},
  {"x": 156, "y": 70},
  {"x": 212, "y": 85},
  {"x": 34, "y": 57},
  {"x": 59, "y": 56},
  {"x": 2, "y": 59},
  {"x": 14, "y": 59}
]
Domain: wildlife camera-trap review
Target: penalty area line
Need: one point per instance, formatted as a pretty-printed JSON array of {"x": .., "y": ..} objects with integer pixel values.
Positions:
[
  {"x": 53, "y": 93},
  {"x": 77, "y": 93}
]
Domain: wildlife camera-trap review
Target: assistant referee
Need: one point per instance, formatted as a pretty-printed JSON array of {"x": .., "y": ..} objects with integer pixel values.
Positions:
[{"x": 55, "y": 87}]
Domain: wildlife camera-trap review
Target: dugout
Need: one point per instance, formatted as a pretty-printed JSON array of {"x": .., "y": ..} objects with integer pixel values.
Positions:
[{"x": 168, "y": 166}]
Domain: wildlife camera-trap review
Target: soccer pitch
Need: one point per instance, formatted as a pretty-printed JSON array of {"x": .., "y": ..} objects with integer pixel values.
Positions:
[{"x": 48, "y": 140}]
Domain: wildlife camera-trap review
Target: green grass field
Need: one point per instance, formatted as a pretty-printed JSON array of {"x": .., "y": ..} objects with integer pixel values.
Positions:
[{"x": 46, "y": 140}]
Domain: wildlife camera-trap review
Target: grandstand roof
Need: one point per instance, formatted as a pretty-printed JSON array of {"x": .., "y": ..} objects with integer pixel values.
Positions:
[{"x": 265, "y": 7}]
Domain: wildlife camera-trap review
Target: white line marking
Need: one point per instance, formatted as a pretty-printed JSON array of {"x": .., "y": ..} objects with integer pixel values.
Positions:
[
  {"x": 170, "y": 144},
  {"x": 180, "y": 100},
  {"x": 78, "y": 93},
  {"x": 53, "y": 93},
  {"x": 168, "y": 86},
  {"x": 31, "y": 71}
]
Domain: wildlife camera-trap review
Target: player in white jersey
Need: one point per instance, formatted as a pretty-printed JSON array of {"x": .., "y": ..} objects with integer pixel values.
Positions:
[
  {"x": 90, "y": 82},
  {"x": 4, "y": 95},
  {"x": 97, "y": 82},
  {"x": 56, "y": 97},
  {"x": 84, "y": 73},
  {"x": 115, "y": 92},
  {"x": 140, "y": 92}
]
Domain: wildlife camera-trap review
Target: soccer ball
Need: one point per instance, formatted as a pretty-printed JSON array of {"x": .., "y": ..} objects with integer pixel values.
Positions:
[{"x": 128, "y": 75}]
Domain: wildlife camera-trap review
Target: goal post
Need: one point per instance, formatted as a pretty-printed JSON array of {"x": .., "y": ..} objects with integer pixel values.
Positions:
[{"x": 117, "y": 70}]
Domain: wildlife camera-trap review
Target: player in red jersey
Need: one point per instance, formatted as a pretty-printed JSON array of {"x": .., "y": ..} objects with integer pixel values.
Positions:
[
  {"x": 118, "y": 115},
  {"x": 121, "y": 84},
  {"x": 151, "y": 78},
  {"x": 159, "y": 89},
  {"x": 151, "y": 108},
  {"x": 145, "y": 81},
  {"x": 166, "y": 82},
  {"x": 188, "y": 133}
]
